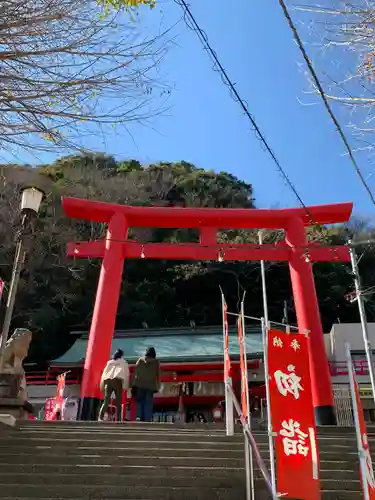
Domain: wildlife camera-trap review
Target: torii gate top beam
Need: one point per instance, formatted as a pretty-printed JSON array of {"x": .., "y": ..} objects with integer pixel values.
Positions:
[{"x": 223, "y": 218}]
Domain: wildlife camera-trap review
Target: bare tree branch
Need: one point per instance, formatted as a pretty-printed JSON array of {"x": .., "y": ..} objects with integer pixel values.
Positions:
[{"x": 66, "y": 69}]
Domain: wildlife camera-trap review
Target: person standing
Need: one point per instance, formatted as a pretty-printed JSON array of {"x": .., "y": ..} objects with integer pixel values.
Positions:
[
  {"x": 115, "y": 379},
  {"x": 146, "y": 382}
]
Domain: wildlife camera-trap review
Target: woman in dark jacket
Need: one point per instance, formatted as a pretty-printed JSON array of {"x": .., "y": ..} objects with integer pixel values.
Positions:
[{"x": 146, "y": 382}]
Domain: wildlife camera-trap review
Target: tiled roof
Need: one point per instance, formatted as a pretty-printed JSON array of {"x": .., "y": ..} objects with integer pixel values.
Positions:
[{"x": 205, "y": 344}]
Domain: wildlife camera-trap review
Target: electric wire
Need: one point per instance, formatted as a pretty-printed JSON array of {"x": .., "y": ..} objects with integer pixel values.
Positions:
[
  {"x": 192, "y": 23},
  {"x": 325, "y": 99}
]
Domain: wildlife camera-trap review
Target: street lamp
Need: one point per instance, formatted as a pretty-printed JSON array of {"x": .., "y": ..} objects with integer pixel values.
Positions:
[
  {"x": 30, "y": 204},
  {"x": 31, "y": 200}
]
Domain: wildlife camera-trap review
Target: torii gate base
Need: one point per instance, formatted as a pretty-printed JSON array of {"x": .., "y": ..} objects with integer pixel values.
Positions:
[{"x": 116, "y": 247}]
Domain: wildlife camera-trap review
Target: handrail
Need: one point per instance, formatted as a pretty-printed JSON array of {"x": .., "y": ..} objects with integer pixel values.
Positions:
[{"x": 251, "y": 441}]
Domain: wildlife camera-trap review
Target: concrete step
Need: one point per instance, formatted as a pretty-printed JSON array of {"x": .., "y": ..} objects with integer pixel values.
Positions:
[
  {"x": 135, "y": 480},
  {"x": 143, "y": 460},
  {"x": 113, "y": 451},
  {"x": 341, "y": 446},
  {"x": 56, "y": 455},
  {"x": 111, "y": 432},
  {"x": 188, "y": 471},
  {"x": 161, "y": 439},
  {"x": 126, "y": 480},
  {"x": 334, "y": 470},
  {"x": 85, "y": 491},
  {"x": 216, "y": 427},
  {"x": 100, "y": 442},
  {"x": 155, "y": 425},
  {"x": 110, "y": 437},
  {"x": 136, "y": 449},
  {"x": 260, "y": 495},
  {"x": 139, "y": 492},
  {"x": 155, "y": 449}
]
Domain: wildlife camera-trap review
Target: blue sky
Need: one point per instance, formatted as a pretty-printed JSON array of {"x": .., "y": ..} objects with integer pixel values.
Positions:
[{"x": 206, "y": 127}]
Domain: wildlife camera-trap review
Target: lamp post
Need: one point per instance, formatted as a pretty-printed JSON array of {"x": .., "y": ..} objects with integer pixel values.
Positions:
[{"x": 30, "y": 204}]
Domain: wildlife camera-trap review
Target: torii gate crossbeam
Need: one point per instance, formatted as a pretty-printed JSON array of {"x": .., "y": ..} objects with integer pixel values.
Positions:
[{"x": 295, "y": 249}]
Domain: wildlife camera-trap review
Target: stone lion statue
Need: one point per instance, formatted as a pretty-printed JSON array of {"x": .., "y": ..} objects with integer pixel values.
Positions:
[{"x": 16, "y": 350}]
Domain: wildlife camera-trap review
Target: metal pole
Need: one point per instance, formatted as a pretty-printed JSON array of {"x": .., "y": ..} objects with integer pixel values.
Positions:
[
  {"x": 269, "y": 416},
  {"x": 361, "y": 453},
  {"x": 264, "y": 285},
  {"x": 229, "y": 417},
  {"x": 248, "y": 467},
  {"x": 362, "y": 314},
  {"x": 250, "y": 479},
  {"x": 17, "y": 268},
  {"x": 265, "y": 325}
]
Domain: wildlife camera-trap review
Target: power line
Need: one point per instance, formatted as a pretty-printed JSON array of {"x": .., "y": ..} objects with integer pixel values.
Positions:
[
  {"x": 189, "y": 18},
  {"x": 325, "y": 99}
]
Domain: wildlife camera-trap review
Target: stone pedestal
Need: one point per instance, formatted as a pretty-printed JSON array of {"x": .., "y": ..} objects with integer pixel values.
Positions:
[
  {"x": 12, "y": 401},
  {"x": 16, "y": 407}
]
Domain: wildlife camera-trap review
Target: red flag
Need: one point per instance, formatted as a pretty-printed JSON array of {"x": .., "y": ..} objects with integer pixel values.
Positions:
[
  {"x": 292, "y": 412},
  {"x": 1, "y": 288},
  {"x": 58, "y": 401},
  {"x": 227, "y": 366},
  {"x": 243, "y": 367},
  {"x": 369, "y": 481}
]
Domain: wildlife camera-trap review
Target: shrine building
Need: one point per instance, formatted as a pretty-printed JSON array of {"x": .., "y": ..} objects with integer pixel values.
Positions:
[{"x": 192, "y": 366}]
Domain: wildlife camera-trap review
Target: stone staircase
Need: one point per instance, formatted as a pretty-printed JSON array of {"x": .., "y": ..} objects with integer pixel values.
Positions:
[{"x": 81, "y": 460}]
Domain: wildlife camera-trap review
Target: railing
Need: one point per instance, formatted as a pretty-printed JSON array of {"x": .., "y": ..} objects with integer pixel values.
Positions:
[
  {"x": 341, "y": 368},
  {"x": 251, "y": 443},
  {"x": 50, "y": 378}
]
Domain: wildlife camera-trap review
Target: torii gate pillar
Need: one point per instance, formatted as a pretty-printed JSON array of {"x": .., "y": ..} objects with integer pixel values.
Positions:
[
  {"x": 308, "y": 318},
  {"x": 104, "y": 316}
]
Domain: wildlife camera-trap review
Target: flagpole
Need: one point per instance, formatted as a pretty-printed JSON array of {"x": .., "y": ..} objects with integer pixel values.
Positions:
[
  {"x": 361, "y": 453},
  {"x": 229, "y": 416},
  {"x": 264, "y": 286},
  {"x": 248, "y": 449},
  {"x": 269, "y": 416},
  {"x": 265, "y": 326}
]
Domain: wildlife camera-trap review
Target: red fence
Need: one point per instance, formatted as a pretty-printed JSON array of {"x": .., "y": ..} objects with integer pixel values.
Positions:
[{"x": 215, "y": 373}]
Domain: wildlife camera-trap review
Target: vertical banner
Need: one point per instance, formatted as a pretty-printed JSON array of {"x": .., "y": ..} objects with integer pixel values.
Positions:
[
  {"x": 1, "y": 288},
  {"x": 59, "y": 399},
  {"x": 227, "y": 364},
  {"x": 229, "y": 417},
  {"x": 49, "y": 407},
  {"x": 291, "y": 406},
  {"x": 243, "y": 367},
  {"x": 366, "y": 469}
]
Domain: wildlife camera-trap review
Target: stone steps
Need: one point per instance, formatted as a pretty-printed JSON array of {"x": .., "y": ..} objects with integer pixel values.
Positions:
[{"x": 80, "y": 460}]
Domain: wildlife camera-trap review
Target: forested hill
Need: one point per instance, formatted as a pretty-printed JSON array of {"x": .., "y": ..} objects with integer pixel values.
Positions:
[{"x": 56, "y": 294}]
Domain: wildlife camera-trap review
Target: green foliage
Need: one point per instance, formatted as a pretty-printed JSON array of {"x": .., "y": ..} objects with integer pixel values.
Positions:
[
  {"x": 57, "y": 293},
  {"x": 126, "y": 4}
]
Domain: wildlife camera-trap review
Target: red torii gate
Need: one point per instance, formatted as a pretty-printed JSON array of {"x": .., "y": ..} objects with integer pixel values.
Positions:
[{"x": 116, "y": 247}]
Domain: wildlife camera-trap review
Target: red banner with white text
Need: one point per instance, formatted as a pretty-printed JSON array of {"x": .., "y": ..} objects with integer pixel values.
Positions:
[
  {"x": 297, "y": 462},
  {"x": 243, "y": 367},
  {"x": 368, "y": 482},
  {"x": 49, "y": 409}
]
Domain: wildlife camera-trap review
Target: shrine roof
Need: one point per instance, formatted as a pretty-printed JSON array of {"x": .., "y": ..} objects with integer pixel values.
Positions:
[
  {"x": 171, "y": 345},
  {"x": 222, "y": 218}
]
